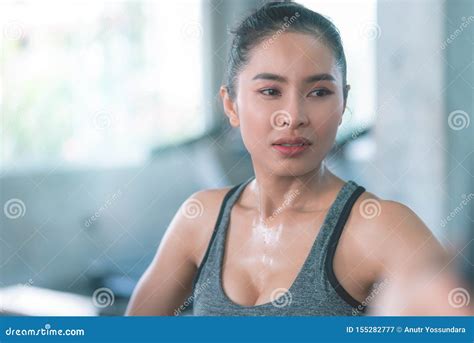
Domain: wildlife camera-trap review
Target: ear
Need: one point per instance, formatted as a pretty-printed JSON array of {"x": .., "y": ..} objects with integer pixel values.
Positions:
[
  {"x": 230, "y": 107},
  {"x": 345, "y": 95}
]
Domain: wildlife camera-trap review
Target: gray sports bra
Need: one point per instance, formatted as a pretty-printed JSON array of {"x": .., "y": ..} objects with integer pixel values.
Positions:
[{"x": 314, "y": 292}]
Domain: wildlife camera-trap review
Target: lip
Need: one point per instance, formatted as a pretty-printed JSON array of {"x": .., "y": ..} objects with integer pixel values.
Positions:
[
  {"x": 292, "y": 140},
  {"x": 290, "y": 150}
]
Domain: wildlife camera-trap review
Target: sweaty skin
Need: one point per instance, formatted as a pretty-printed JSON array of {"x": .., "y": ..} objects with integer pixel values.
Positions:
[
  {"x": 259, "y": 259},
  {"x": 268, "y": 237}
]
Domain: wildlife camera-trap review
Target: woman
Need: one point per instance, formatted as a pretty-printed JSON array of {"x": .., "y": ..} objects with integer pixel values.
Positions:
[{"x": 295, "y": 239}]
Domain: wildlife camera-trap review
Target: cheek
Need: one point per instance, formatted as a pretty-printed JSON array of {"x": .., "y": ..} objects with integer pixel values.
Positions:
[
  {"x": 325, "y": 128},
  {"x": 254, "y": 116},
  {"x": 255, "y": 109},
  {"x": 254, "y": 132}
]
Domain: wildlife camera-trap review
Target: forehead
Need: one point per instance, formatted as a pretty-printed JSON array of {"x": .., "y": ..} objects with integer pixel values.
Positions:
[{"x": 295, "y": 55}]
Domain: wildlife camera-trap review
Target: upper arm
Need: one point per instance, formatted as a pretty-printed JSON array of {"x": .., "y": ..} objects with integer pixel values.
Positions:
[
  {"x": 381, "y": 238},
  {"x": 418, "y": 277},
  {"x": 167, "y": 282},
  {"x": 408, "y": 244}
]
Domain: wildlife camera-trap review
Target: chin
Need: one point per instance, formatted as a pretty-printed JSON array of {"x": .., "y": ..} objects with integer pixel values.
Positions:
[{"x": 293, "y": 170}]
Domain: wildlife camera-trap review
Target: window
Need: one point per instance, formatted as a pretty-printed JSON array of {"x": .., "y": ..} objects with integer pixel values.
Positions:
[{"x": 98, "y": 82}]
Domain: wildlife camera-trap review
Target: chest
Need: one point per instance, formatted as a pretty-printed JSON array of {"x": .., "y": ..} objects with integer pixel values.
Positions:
[{"x": 259, "y": 258}]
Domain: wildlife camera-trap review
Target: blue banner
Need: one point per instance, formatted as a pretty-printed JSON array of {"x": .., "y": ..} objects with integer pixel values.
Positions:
[{"x": 237, "y": 329}]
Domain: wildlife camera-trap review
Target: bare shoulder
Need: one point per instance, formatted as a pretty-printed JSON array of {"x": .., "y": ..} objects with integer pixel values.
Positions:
[
  {"x": 389, "y": 218},
  {"x": 197, "y": 217},
  {"x": 184, "y": 241},
  {"x": 391, "y": 234}
]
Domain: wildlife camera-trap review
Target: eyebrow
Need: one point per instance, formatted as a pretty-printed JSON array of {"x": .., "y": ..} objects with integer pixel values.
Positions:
[{"x": 279, "y": 78}]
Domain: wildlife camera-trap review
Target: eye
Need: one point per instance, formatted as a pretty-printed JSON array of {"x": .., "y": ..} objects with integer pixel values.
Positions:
[
  {"x": 320, "y": 92},
  {"x": 270, "y": 92}
]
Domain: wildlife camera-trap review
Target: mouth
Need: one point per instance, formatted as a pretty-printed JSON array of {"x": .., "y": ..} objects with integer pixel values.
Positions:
[
  {"x": 287, "y": 144},
  {"x": 292, "y": 141},
  {"x": 288, "y": 149}
]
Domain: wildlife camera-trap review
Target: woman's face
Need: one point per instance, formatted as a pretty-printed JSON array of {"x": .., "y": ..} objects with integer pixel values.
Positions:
[{"x": 291, "y": 87}]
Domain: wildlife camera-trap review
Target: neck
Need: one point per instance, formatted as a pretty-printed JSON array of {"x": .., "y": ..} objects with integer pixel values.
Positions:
[{"x": 277, "y": 194}]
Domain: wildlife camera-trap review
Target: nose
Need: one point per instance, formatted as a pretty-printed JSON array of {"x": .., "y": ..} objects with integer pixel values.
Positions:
[{"x": 296, "y": 113}]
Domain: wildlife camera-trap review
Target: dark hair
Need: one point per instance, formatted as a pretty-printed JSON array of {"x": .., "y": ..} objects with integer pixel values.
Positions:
[{"x": 275, "y": 18}]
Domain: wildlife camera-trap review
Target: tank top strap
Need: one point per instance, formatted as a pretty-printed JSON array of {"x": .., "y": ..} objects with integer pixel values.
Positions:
[
  {"x": 331, "y": 229},
  {"x": 334, "y": 225},
  {"x": 211, "y": 255},
  {"x": 338, "y": 213}
]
